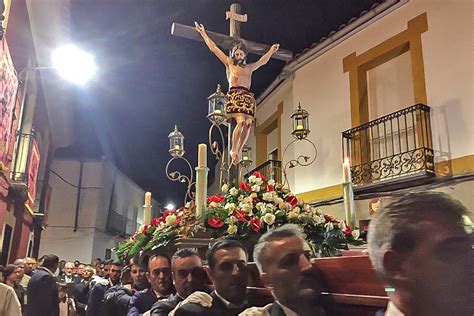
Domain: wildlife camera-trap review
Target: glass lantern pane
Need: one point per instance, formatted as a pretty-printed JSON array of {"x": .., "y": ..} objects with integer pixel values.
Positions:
[{"x": 211, "y": 106}]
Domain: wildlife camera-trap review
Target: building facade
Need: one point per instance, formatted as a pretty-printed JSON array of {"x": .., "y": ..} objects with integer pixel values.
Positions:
[{"x": 372, "y": 79}]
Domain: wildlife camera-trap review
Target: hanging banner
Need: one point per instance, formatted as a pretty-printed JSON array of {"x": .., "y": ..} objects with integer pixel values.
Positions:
[
  {"x": 33, "y": 168},
  {"x": 8, "y": 89}
]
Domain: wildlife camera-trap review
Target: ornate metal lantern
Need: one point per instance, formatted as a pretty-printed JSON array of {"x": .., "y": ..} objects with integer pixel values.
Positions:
[
  {"x": 217, "y": 101},
  {"x": 246, "y": 160},
  {"x": 176, "y": 143},
  {"x": 300, "y": 122}
]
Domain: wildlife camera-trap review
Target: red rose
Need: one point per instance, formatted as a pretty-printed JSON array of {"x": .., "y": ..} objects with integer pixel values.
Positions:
[
  {"x": 270, "y": 188},
  {"x": 240, "y": 215},
  {"x": 292, "y": 200},
  {"x": 331, "y": 219},
  {"x": 366, "y": 228},
  {"x": 257, "y": 174},
  {"x": 347, "y": 231},
  {"x": 256, "y": 224},
  {"x": 145, "y": 229},
  {"x": 215, "y": 222},
  {"x": 245, "y": 187},
  {"x": 155, "y": 221},
  {"x": 216, "y": 199}
]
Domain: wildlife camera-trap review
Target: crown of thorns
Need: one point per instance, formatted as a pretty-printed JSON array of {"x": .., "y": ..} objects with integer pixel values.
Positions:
[{"x": 238, "y": 45}]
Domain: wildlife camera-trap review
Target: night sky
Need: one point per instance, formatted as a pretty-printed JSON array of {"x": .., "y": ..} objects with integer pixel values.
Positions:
[{"x": 149, "y": 80}]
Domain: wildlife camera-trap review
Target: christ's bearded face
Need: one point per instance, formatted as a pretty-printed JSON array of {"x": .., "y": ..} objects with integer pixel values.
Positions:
[{"x": 239, "y": 57}]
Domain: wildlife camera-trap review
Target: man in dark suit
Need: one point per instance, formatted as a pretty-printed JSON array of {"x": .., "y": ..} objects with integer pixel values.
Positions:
[
  {"x": 80, "y": 290},
  {"x": 42, "y": 291},
  {"x": 229, "y": 272},
  {"x": 68, "y": 277},
  {"x": 95, "y": 307},
  {"x": 161, "y": 285},
  {"x": 282, "y": 257},
  {"x": 188, "y": 277}
]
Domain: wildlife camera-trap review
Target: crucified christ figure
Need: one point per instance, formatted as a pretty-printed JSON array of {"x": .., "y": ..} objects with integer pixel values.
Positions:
[{"x": 241, "y": 104}]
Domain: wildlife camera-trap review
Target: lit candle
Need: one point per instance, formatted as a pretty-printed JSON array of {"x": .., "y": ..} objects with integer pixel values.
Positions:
[
  {"x": 245, "y": 158},
  {"x": 177, "y": 147},
  {"x": 346, "y": 171},
  {"x": 299, "y": 127},
  {"x": 217, "y": 111},
  {"x": 202, "y": 155},
  {"x": 147, "y": 209},
  {"x": 148, "y": 198}
]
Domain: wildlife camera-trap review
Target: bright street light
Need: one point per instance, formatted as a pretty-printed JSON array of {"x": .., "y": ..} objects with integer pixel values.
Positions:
[
  {"x": 74, "y": 64},
  {"x": 170, "y": 207}
]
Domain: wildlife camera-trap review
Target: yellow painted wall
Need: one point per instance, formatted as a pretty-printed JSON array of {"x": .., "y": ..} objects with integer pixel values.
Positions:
[{"x": 323, "y": 89}]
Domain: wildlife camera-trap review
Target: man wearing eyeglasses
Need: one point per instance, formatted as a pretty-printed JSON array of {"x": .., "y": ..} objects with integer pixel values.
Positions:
[
  {"x": 282, "y": 258},
  {"x": 188, "y": 277},
  {"x": 229, "y": 273},
  {"x": 161, "y": 286}
]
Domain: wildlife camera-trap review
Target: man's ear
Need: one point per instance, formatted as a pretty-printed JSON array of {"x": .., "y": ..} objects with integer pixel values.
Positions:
[
  {"x": 266, "y": 280},
  {"x": 148, "y": 276},
  {"x": 393, "y": 263}
]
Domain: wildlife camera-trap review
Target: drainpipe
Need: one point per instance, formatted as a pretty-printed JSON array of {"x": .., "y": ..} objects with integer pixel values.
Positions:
[{"x": 78, "y": 199}]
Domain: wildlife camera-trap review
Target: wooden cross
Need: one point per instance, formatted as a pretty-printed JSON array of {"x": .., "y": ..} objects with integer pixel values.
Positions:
[{"x": 225, "y": 41}]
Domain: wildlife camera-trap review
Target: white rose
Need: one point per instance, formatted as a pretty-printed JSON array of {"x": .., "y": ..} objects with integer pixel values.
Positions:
[
  {"x": 225, "y": 188},
  {"x": 253, "y": 195},
  {"x": 259, "y": 206},
  {"x": 212, "y": 204},
  {"x": 259, "y": 181},
  {"x": 267, "y": 196},
  {"x": 245, "y": 207},
  {"x": 269, "y": 218},
  {"x": 252, "y": 179},
  {"x": 355, "y": 233},
  {"x": 319, "y": 219},
  {"x": 248, "y": 200},
  {"x": 271, "y": 182},
  {"x": 270, "y": 207},
  {"x": 292, "y": 215},
  {"x": 256, "y": 188},
  {"x": 329, "y": 226},
  {"x": 297, "y": 209},
  {"x": 230, "y": 206},
  {"x": 277, "y": 200},
  {"x": 232, "y": 229},
  {"x": 233, "y": 191},
  {"x": 171, "y": 219}
]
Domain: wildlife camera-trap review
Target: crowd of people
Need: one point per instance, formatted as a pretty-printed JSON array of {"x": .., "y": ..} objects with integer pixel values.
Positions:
[{"x": 419, "y": 244}]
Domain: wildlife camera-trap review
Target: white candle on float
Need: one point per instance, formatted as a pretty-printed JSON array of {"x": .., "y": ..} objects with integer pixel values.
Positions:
[
  {"x": 202, "y": 155},
  {"x": 147, "y": 209},
  {"x": 148, "y": 198},
  {"x": 346, "y": 171}
]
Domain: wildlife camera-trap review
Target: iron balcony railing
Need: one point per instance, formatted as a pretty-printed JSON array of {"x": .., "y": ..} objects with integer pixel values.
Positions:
[
  {"x": 394, "y": 146},
  {"x": 271, "y": 169}
]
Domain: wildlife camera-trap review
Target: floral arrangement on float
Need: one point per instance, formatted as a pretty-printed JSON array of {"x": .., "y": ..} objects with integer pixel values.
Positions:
[{"x": 245, "y": 211}]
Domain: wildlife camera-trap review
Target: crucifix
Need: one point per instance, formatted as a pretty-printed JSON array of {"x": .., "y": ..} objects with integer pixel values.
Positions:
[{"x": 241, "y": 104}]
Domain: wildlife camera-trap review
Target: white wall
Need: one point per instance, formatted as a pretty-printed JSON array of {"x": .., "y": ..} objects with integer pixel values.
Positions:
[
  {"x": 323, "y": 88},
  {"x": 91, "y": 238}
]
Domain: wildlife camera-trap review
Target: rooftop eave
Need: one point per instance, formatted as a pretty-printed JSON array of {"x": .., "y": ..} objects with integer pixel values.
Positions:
[{"x": 334, "y": 38}]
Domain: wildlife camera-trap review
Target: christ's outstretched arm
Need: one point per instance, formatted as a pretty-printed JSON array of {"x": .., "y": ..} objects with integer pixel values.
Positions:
[
  {"x": 210, "y": 43},
  {"x": 265, "y": 58}
]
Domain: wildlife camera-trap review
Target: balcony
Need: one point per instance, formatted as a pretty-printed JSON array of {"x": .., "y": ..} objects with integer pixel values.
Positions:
[
  {"x": 271, "y": 169},
  {"x": 394, "y": 148}
]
